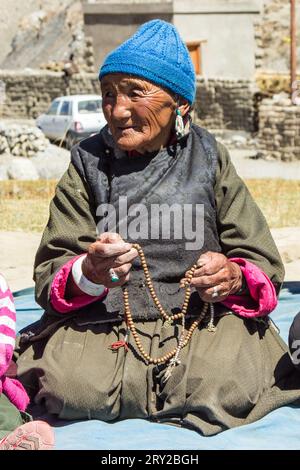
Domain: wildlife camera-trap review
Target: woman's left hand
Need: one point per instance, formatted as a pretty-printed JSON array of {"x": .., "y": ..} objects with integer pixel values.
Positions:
[{"x": 216, "y": 278}]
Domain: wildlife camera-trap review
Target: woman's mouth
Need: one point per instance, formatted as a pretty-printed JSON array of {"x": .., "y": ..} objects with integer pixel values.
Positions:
[{"x": 125, "y": 128}]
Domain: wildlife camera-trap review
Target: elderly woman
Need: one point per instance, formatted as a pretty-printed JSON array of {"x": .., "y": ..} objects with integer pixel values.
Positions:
[{"x": 146, "y": 317}]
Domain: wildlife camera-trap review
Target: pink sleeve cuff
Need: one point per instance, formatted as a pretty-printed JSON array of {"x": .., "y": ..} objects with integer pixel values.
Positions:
[
  {"x": 58, "y": 288},
  {"x": 15, "y": 392},
  {"x": 262, "y": 299}
]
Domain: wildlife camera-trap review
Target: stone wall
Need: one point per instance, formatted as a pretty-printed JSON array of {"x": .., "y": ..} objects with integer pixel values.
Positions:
[
  {"x": 279, "y": 129},
  {"x": 29, "y": 94},
  {"x": 259, "y": 50},
  {"x": 219, "y": 103},
  {"x": 226, "y": 104}
]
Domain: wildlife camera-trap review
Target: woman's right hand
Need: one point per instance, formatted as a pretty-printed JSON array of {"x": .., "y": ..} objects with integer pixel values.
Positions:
[{"x": 109, "y": 251}]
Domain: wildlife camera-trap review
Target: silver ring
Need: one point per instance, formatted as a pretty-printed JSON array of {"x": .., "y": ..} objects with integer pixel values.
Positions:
[
  {"x": 113, "y": 276},
  {"x": 215, "y": 292}
]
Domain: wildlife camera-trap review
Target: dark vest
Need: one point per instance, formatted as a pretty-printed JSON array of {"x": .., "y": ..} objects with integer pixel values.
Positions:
[{"x": 182, "y": 174}]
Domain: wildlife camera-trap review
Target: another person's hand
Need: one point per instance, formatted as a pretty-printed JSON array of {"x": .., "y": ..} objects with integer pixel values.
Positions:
[
  {"x": 216, "y": 278},
  {"x": 109, "y": 251}
]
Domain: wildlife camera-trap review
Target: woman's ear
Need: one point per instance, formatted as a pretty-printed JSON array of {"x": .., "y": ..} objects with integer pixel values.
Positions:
[{"x": 184, "y": 107}]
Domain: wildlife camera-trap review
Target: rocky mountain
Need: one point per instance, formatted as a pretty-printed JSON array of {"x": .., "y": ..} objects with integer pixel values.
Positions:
[{"x": 36, "y": 34}]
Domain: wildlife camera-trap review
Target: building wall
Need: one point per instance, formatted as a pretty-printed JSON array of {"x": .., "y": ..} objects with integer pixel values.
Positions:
[
  {"x": 228, "y": 27},
  {"x": 110, "y": 24}
]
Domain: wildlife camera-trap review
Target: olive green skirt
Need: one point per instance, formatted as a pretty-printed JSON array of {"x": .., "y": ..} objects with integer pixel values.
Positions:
[
  {"x": 226, "y": 378},
  {"x": 10, "y": 416}
]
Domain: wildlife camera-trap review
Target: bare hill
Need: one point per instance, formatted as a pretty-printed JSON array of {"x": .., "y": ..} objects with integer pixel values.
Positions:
[{"x": 35, "y": 32}]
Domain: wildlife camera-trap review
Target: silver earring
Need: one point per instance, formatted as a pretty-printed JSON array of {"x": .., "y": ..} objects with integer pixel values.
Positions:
[{"x": 179, "y": 125}]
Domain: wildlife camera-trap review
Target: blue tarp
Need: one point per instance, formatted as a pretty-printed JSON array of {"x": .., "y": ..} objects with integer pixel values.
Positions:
[{"x": 278, "y": 430}]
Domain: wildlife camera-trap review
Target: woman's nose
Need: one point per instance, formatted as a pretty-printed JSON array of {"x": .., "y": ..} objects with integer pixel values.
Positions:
[{"x": 121, "y": 108}]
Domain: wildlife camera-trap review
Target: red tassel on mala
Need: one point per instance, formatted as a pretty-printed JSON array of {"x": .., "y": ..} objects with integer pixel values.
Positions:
[{"x": 121, "y": 344}]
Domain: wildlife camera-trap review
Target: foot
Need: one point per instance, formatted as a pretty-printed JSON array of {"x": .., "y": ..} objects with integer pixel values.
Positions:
[{"x": 35, "y": 435}]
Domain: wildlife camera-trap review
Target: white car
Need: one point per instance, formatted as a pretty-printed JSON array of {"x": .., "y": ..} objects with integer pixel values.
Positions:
[{"x": 72, "y": 118}]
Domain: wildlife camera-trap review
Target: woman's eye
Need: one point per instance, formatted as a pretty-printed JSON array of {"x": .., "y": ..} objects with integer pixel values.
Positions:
[{"x": 108, "y": 94}]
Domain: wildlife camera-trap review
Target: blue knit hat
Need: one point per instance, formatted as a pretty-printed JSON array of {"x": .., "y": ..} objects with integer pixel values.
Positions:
[{"x": 157, "y": 53}]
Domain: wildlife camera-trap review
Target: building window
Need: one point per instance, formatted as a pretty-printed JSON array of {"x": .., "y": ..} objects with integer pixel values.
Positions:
[{"x": 194, "y": 48}]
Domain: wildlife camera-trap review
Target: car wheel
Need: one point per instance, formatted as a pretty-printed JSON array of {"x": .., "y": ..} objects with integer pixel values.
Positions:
[{"x": 69, "y": 141}]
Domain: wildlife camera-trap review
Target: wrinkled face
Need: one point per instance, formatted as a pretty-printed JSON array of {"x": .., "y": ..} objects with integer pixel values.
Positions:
[{"x": 140, "y": 114}]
